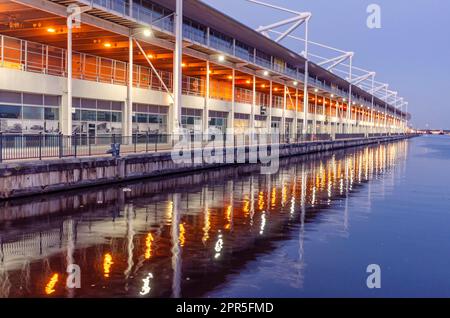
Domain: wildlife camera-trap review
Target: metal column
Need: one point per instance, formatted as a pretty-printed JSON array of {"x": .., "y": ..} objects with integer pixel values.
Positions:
[
  {"x": 305, "y": 82},
  {"x": 67, "y": 114},
  {"x": 207, "y": 94},
  {"x": 252, "y": 118},
  {"x": 349, "y": 107},
  {"x": 269, "y": 124},
  {"x": 233, "y": 97},
  {"x": 315, "y": 115},
  {"x": 283, "y": 117},
  {"x": 295, "y": 128},
  {"x": 128, "y": 111},
  {"x": 177, "y": 71}
]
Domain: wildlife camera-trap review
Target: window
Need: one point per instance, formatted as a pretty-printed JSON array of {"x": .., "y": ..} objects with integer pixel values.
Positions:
[
  {"x": 279, "y": 65},
  {"x": 291, "y": 70},
  {"x": 88, "y": 115},
  {"x": 221, "y": 41},
  {"x": 50, "y": 100},
  {"x": 9, "y": 111},
  {"x": 142, "y": 118},
  {"x": 104, "y": 116},
  {"x": 76, "y": 115},
  {"x": 116, "y": 117},
  {"x": 10, "y": 97},
  {"x": 194, "y": 31},
  {"x": 263, "y": 59},
  {"x": 155, "y": 119},
  {"x": 51, "y": 113},
  {"x": 32, "y": 99},
  {"x": 244, "y": 51},
  {"x": 30, "y": 112}
]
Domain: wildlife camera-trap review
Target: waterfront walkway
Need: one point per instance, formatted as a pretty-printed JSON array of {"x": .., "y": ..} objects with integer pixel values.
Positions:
[
  {"x": 50, "y": 147},
  {"x": 24, "y": 178}
]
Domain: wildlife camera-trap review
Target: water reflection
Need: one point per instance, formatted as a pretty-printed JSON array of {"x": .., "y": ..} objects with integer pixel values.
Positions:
[{"x": 181, "y": 236}]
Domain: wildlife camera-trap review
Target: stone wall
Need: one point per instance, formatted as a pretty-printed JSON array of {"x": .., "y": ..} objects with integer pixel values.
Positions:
[{"x": 38, "y": 177}]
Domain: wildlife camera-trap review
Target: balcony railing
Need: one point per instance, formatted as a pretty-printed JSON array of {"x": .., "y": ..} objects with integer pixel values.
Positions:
[{"x": 40, "y": 58}]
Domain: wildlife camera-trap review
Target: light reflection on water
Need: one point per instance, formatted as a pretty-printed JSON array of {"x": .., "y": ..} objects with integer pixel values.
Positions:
[{"x": 229, "y": 232}]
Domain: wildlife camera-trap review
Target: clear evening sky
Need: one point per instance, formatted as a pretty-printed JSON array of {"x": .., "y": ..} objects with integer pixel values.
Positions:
[{"x": 411, "y": 51}]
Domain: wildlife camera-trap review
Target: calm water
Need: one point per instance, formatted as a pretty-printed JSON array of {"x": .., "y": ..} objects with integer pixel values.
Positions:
[{"x": 310, "y": 230}]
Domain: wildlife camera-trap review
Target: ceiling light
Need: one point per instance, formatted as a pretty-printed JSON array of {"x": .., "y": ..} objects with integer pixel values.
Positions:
[
  {"x": 150, "y": 56},
  {"x": 316, "y": 90},
  {"x": 263, "y": 85},
  {"x": 221, "y": 58},
  {"x": 248, "y": 81},
  {"x": 295, "y": 83},
  {"x": 51, "y": 30},
  {"x": 332, "y": 95},
  {"x": 147, "y": 32},
  {"x": 266, "y": 73},
  {"x": 107, "y": 44},
  {"x": 230, "y": 77},
  {"x": 183, "y": 64}
]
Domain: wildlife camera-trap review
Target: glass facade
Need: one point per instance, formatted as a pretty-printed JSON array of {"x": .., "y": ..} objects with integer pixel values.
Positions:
[
  {"x": 241, "y": 122},
  {"x": 263, "y": 59},
  {"x": 276, "y": 122},
  {"x": 299, "y": 126},
  {"x": 96, "y": 118},
  {"x": 288, "y": 126},
  {"x": 244, "y": 51},
  {"x": 26, "y": 113},
  {"x": 220, "y": 41},
  {"x": 218, "y": 120},
  {"x": 194, "y": 31},
  {"x": 191, "y": 119},
  {"x": 261, "y": 123},
  {"x": 150, "y": 119}
]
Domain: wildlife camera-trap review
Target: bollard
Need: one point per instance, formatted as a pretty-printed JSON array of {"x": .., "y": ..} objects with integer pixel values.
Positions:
[{"x": 115, "y": 150}]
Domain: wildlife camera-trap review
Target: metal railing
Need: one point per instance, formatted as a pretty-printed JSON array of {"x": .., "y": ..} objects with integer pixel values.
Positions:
[
  {"x": 40, "y": 58},
  {"x": 41, "y": 146}
]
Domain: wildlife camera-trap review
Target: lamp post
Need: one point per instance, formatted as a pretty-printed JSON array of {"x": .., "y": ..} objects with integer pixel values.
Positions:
[
  {"x": 74, "y": 13},
  {"x": 177, "y": 66}
]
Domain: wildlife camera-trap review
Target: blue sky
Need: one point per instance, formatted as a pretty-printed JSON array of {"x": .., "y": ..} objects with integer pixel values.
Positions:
[{"x": 411, "y": 51}]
